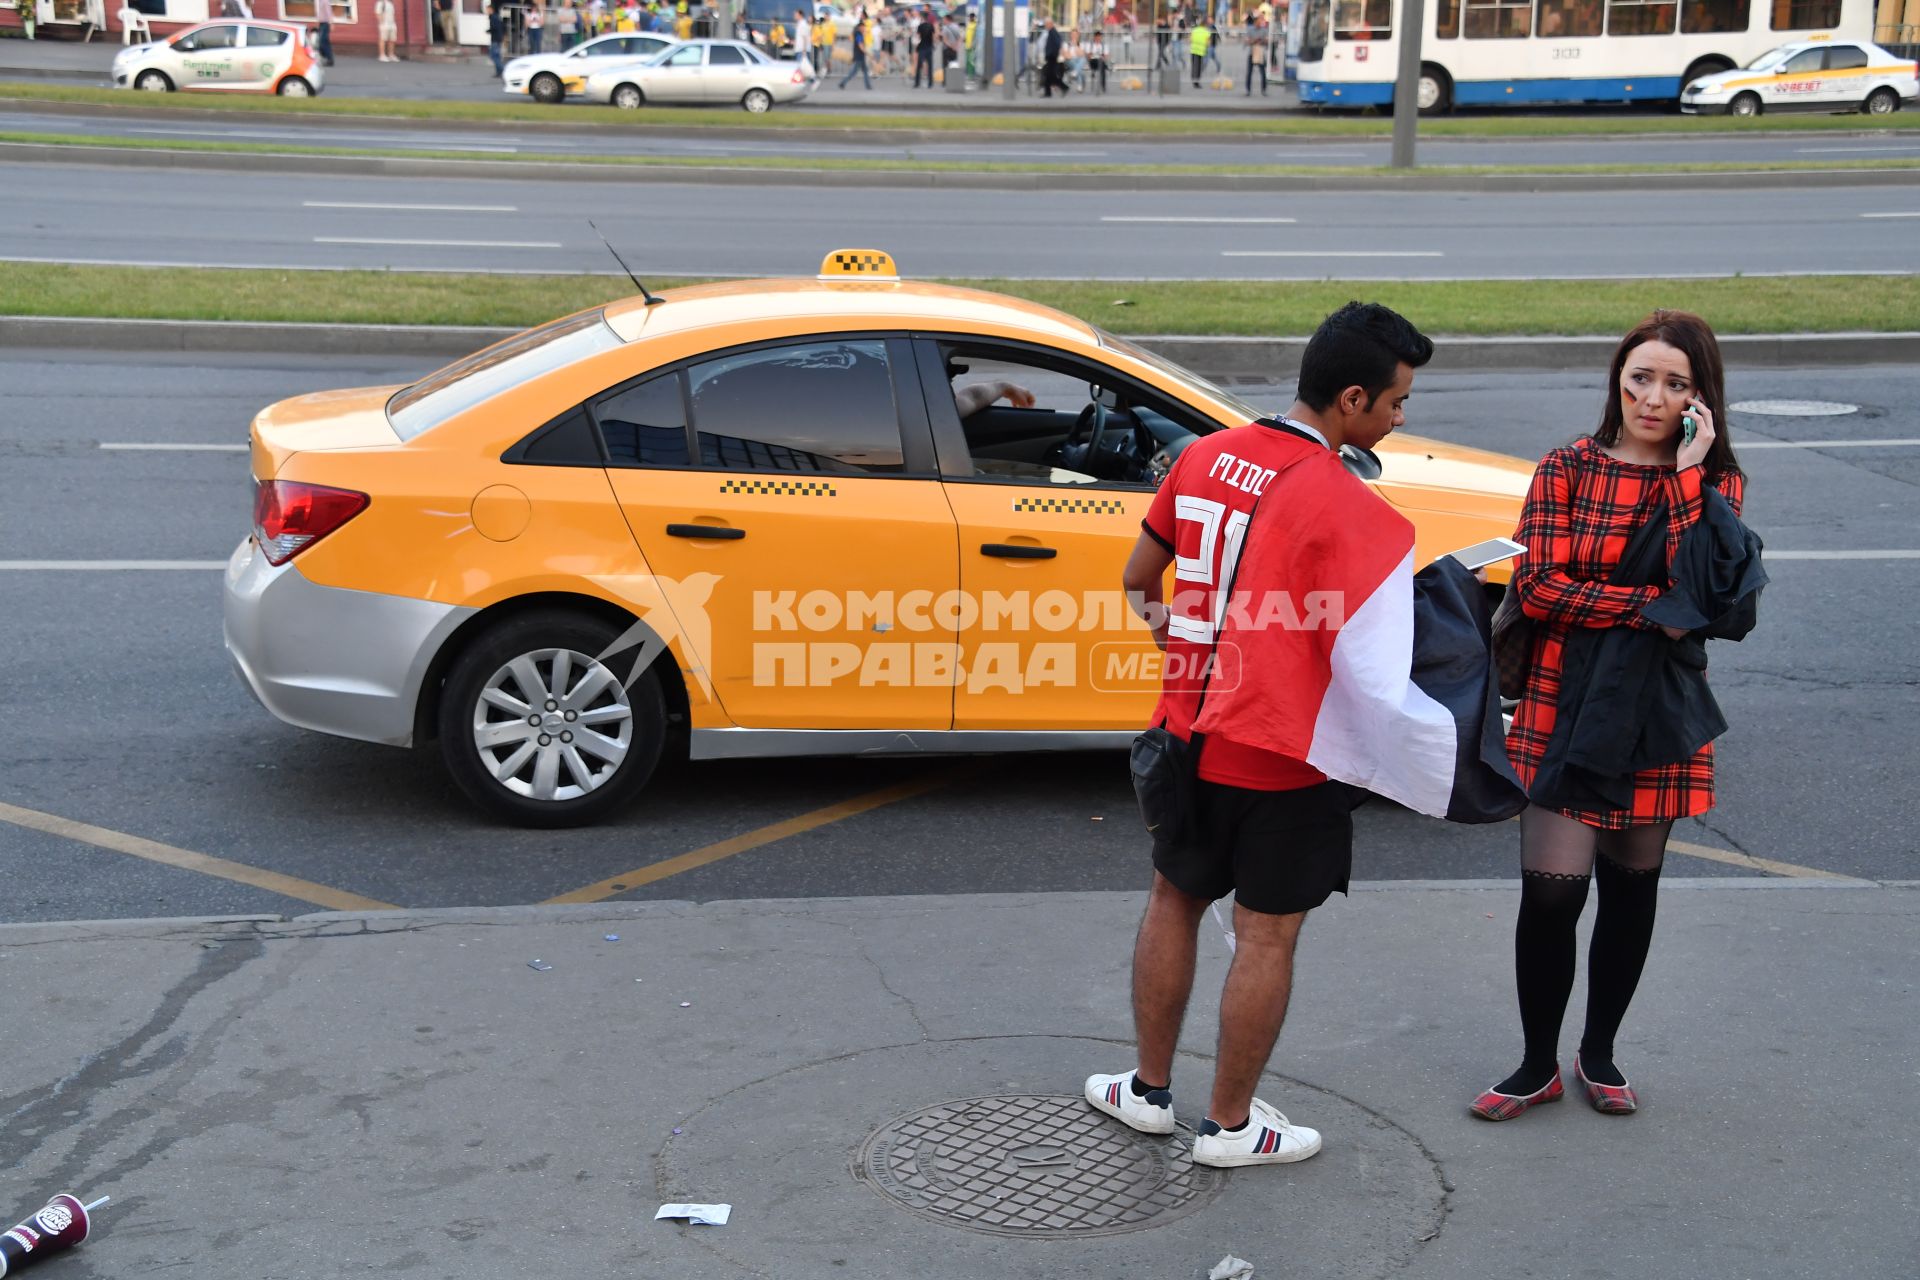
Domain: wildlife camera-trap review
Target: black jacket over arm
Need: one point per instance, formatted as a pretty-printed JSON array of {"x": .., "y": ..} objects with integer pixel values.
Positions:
[{"x": 1633, "y": 699}]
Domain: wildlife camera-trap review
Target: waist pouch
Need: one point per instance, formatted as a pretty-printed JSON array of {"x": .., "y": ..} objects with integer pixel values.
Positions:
[{"x": 1163, "y": 768}]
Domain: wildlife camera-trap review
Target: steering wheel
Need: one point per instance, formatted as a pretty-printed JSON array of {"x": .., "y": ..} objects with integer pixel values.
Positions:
[{"x": 1095, "y": 414}]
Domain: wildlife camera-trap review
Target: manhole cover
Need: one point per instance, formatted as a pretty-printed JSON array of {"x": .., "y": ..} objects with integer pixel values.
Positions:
[
  {"x": 1796, "y": 408},
  {"x": 1034, "y": 1166}
]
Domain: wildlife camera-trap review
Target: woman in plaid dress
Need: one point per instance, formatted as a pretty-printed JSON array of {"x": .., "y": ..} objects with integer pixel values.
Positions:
[{"x": 1585, "y": 503}]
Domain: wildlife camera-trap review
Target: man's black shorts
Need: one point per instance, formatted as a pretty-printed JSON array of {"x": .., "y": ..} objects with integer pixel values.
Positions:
[{"x": 1277, "y": 852}]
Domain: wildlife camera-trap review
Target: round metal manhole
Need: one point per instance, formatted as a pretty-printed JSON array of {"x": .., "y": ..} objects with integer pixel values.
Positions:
[
  {"x": 1034, "y": 1166},
  {"x": 1796, "y": 408}
]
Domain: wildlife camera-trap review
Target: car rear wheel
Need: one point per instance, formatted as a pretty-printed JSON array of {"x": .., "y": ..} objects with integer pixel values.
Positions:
[
  {"x": 295, "y": 87},
  {"x": 1882, "y": 102},
  {"x": 542, "y": 727},
  {"x": 629, "y": 98},
  {"x": 153, "y": 82},
  {"x": 546, "y": 87},
  {"x": 1747, "y": 104},
  {"x": 758, "y": 101}
]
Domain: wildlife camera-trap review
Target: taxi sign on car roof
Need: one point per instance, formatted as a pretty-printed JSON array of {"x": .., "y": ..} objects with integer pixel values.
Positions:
[{"x": 858, "y": 264}]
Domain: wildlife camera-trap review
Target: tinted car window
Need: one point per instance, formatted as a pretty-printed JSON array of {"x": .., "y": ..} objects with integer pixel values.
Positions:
[
  {"x": 1844, "y": 56},
  {"x": 726, "y": 56},
  {"x": 1801, "y": 63},
  {"x": 481, "y": 376},
  {"x": 816, "y": 406},
  {"x": 265, "y": 38},
  {"x": 645, "y": 425}
]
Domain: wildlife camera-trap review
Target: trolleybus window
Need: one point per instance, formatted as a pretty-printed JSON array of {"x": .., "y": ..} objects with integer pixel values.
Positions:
[
  {"x": 1699, "y": 16},
  {"x": 1499, "y": 19},
  {"x": 1640, "y": 17},
  {"x": 1446, "y": 19},
  {"x": 1806, "y": 15},
  {"x": 1564, "y": 19},
  {"x": 1363, "y": 20}
]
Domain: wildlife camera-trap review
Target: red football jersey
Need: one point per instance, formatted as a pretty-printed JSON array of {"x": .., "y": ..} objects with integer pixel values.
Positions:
[{"x": 1200, "y": 515}]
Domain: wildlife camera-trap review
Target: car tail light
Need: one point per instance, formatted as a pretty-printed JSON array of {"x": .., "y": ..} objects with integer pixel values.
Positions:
[
  {"x": 799, "y": 77},
  {"x": 289, "y": 517}
]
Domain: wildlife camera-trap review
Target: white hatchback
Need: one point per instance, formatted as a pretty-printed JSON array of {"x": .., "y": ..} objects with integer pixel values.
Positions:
[
  {"x": 554, "y": 77},
  {"x": 1809, "y": 75},
  {"x": 237, "y": 56}
]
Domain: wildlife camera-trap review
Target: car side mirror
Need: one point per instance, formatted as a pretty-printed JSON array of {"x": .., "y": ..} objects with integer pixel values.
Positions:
[{"x": 1364, "y": 463}]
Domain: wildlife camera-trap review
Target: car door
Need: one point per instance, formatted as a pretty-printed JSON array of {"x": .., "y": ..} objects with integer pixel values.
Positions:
[
  {"x": 790, "y": 488},
  {"x": 1047, "y": 641},
  {"x": 264, "y": 56},
  {"x": 679, "y": 77},
  {"x": 729, "y": 74},
  {"x": 210, "y": 57},
  {"x": 1798, "y": 83},
  {"x": 1844, "y": 77}
]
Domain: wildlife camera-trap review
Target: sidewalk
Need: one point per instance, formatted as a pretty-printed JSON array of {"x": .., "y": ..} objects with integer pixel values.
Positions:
[
  {"x": 471, "y": 79},
  {"x": 404, "y": 1093}
]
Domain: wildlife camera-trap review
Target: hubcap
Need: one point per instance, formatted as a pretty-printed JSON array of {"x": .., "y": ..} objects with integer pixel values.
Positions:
[
  {"x": 553, "y": 724},
  {"x": 1429, "y": 93}
]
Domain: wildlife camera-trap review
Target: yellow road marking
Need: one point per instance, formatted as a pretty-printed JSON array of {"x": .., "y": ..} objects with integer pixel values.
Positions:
[
  {"x": 1767, "y": 865},
  {"x": 711, "y": 853},
  {"x": 187, "y": 860}
]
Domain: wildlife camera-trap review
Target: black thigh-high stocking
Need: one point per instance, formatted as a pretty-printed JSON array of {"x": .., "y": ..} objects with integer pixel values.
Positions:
[
  {"x": 1556, "y": 860},
  {"x": 1628, "y": 873}
]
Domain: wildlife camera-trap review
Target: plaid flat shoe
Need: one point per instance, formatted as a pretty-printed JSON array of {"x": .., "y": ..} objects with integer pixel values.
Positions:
[
  {"x": 1607, "y": 1099},
  {"x": 1494, "y": 1105}
]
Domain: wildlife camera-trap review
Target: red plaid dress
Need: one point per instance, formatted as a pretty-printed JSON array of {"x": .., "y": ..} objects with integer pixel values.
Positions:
[{"x": 1581, "y": 510}]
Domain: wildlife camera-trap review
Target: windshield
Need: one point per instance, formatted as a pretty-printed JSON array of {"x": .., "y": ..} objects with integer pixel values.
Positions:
[
  {"x": 1246, "y": 411},
  {"x": 485, "y": 374},
  {"x": 1313, "y": 42},
  {"x": 1771, "y": 58}
]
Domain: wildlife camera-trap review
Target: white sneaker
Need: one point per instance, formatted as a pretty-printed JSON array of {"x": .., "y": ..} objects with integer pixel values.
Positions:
[
  {"x": 1267, "y": 1138},
  {"x": 1115, "y": 1096}
]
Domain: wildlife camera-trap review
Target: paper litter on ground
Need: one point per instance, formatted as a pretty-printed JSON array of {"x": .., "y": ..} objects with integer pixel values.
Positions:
[
  {"x": 711, "y": 1215},
  {"x": 1231, "y": 1268}
]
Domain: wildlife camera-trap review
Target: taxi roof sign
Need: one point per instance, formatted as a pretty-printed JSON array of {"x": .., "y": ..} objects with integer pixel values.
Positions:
[{"x": 858, "y": 264}]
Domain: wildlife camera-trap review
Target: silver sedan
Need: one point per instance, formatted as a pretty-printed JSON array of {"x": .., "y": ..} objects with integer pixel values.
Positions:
[{"x": 703, "y": 71}]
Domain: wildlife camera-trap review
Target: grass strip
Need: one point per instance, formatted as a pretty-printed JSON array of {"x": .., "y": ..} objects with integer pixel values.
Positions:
[
  {"x": 1493, "y": 124},
  {"x": 906, "y": 164},
  {"x": 1740, "y": 304}
]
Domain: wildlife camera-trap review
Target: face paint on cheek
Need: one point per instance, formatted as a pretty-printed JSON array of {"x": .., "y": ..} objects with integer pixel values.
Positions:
[{"x": 1628, "y": 396}]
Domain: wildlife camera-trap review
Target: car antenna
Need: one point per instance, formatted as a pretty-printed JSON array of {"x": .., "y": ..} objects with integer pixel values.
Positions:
[{"x": 653, "y": 299}]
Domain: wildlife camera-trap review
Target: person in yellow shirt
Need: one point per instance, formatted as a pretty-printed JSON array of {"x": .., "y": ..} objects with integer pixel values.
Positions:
[
  {"x": 683, "y": 24},
  {"x": 1197, "y": 46},
  {"x": 823, "y": 37},
  {"x": 777, "y": 38}
]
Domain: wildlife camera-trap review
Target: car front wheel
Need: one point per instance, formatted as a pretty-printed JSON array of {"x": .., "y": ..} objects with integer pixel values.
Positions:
[
  {"x": 547, "y": 88},
  {"x": 1747, "y": 104},
  {"x": 542, "y": 726},
  {"x": 1882, "y": 102},
  {"x": 153, "y": 82},
  {"x": 295, "y": 87},
  {"x": 758, "y": 101},
  {"x": 629, "y": 98}
]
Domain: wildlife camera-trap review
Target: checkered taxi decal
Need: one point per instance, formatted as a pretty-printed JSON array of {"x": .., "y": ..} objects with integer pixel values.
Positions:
[
  {"x": 787, "y": 488},
  {"x": 1073, "y": 506},
  {"x": 860, "y": 263}
]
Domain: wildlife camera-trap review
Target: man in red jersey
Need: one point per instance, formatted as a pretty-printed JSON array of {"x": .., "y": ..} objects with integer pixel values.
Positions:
[{"x": 1274, "y": 831}]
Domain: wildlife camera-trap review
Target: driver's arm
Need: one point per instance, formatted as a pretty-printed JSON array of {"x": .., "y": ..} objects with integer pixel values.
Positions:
[{"x": 971, "y": 400}]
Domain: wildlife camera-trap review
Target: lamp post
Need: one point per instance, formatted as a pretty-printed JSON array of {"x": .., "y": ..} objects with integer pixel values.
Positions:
[{"x": 1406, "y": 86}]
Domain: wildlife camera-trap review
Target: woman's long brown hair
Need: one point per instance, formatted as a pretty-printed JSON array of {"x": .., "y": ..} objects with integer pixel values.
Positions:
[{"x": 1693, "y": 337}]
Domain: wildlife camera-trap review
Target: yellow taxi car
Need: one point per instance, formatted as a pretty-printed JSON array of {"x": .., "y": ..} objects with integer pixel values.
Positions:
[{"x": 831, "y": 516}]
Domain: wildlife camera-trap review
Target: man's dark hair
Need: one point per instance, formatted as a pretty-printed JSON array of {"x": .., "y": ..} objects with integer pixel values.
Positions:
[{"x": 1363, "y": 344}]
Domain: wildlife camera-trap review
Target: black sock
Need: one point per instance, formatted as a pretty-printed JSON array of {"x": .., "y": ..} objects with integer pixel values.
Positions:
[
  {"x": 1141, "y": 1088},
  {"x": 1622, "y": 933},
  {"x": 1543, "y": 950}
]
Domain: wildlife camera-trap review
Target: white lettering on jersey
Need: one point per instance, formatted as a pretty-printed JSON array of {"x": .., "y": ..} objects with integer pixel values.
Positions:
[{"x": 1245, "y": 476}]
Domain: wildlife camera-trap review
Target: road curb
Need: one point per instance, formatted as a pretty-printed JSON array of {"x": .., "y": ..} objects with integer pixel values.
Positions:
[
  {"x": 1051, "y": 181},
  {"x": 1210, "y": 357},
  {"x": 341, "y": 924}
]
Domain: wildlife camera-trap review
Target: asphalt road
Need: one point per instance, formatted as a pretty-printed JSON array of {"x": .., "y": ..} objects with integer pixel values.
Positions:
[
  {"x": 123, "y": 713},
  {"x": 1060, "y": 150},
  {"x": 189, "y": 217}
]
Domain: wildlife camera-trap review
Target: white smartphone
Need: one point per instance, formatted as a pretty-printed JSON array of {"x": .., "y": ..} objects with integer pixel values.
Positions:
[{"x": 1492, "y": 551}]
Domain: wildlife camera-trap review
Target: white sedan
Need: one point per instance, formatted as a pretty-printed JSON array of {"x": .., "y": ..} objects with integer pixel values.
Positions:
[
  {"x": 704, "y": 71},
  {"x": 1809, "y": 75},
  {"x": 552, "y": 77}
]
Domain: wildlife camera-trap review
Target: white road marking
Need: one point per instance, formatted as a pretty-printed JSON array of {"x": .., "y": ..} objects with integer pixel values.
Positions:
[
  {"x": 397, "y": 142},
  {"x": 1203, "y": 221},
  {"x": 175, "y": 448},
  {"x": 1891, "y": 215},
  {"x": 1745, "y": 445},
  {"x": 1771, "y": 554},
  {"x": 1327, "y": 253},
  {"x": 1841, "y": 151},
  {"x": 443, "y": 244},
  {"x": 107, "y": 566},
  {"x": 412, "y": 208}
]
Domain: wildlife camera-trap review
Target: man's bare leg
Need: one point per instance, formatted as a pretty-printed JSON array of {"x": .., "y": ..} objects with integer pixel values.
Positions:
[
  {"x": 1253, "y": 1006},
  {"x": 1163, "y": 958}
]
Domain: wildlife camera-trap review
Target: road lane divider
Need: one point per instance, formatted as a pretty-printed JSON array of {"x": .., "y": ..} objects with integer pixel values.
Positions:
[
  {"x": 156, "y": 447},
  {"x": 109, "y": 566},
  {"x": 294, "y": 887},
  {"x": 1768, "y": 865},
  {"x": 706, "y": 855}
]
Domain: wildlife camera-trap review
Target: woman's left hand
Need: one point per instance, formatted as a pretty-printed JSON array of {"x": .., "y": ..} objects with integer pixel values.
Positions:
[{"x": 1694, "y": 453}]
